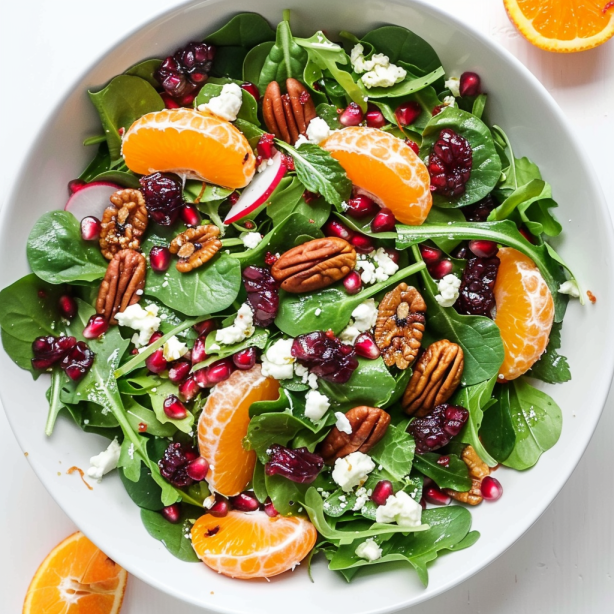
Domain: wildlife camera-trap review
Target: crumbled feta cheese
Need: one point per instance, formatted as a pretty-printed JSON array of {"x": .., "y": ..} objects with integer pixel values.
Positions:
[
  {"x": 316, "y": 405},
  {"x": 400, "y": 508},
  {"x": 317, "y": 312},
  {"x": 301, "y": 140},
  {"x": 343, "y": 424},
  {"x": 379, "y": 72},
  {"x": 448, "y": 290},
  {"x": 364, "y": 318},
  {"x": 263, "y": 165},
  {"x": 352, "y": 470},
  {"x": 311, "y": 379},
  {"x": 453, "y": 84},
  {"x": 318, "y": 130},
  {"x": 174, "y": 349},
  {"x": 449, "y": 101},
  {"x": 277, "y": 361},
  {"x": 386, "y": 266},
  {"x": 348, "y": 334},
  {"x": 227, "y": 105},
  {"x": 105, "y": 461},
  {"x": 570, "y": 287},
  {"x": 251, "y": 239},
  {"x": 367, "y": 271},
  {"x": 362, "y": 496},
  {"x": 242, "y": 328},
  {"x": 145, "y": 321},
  {"x": 369, "y": 550}
]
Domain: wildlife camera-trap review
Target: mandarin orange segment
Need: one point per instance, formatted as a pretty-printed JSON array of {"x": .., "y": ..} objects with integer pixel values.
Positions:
[
  {"x": 387, "y": 168},
  {"x": 192, "y": 144},
  {"x": 562, "y": 25},
  {"x": 525, "y": 312},
  {"x": 76, "y": 578},
  {"x": 252, "y": 545},
  {"x": 222, "y": 427}
]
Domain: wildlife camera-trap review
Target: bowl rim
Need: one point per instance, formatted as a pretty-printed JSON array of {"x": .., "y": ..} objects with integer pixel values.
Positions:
[{"x": 605, "y": 381}]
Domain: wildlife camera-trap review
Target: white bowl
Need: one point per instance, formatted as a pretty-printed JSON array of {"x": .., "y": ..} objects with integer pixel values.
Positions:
[{"x": 537, "y": 128}]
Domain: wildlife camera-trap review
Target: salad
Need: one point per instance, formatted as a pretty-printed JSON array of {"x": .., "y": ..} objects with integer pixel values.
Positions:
[{"x": 305, "y": 289}]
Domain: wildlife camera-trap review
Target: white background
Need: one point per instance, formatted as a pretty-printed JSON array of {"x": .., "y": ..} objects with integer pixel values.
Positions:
[{"x": 564, "y": 564}]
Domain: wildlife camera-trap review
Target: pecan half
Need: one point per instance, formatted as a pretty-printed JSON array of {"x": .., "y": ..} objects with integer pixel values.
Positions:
[
  {"x": 478, "y": 470},
  {"x": 435, "y": 378},
  {"x": 314, "y": 265},
  {"x": 399, "y": 326},
  {"x": 287, "y": 115},
  {"x": 195, "y": 246},
  {"x": 120, "y": 287},
  {"x": 123, "y": 222},
  {"x": 368, "y": 424}
]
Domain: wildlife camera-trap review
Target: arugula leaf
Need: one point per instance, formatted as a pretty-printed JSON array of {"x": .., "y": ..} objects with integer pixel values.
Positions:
[
  {"x": 454, "y": 476},
  {"x": 537, "y": 422},
  {"x": 58, "y": 254},
  {"x": 395, "y": 451},
  {"x": 497, "y": 431},
  {"x": 175, "y": 537},
  {"x": 552, "y": 367}
]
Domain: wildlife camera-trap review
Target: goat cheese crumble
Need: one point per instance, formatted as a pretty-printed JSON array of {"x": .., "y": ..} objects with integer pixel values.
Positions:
[
  {"x": 377, "y": 266},
  {"x": 570, "y": 287},
  {"x": 311, "y": 379},
  {"x": 352, "y": 470},
  {"x": 448, "y": 290},
  {"x": 145, "y": 321},
  {"x": 174, "y": 349},
  {"x": 277, "y": 361},
  {"x": 400, "y": 508},
  {"x": 227, "y": 105},
  {"x": 251, "y": 239},
  {"x": 316, "y": 405},
  {"x": 453, "y": 84},
  {"x": 343, "y": 424},
  {"x": 242, "y": 328},
  {"x": 364, "y": 319},
  {"x": 105, "y": 461},
  {"x": 369, "y": 550},
  {"x": 378, "y": 71},
  {"x": 317, "y": 131}
]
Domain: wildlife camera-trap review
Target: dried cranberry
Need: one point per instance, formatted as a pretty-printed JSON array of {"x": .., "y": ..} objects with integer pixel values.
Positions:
[
  {"x": 325, "y": 356},
  {"x": 476, "y": 294},
  {"x": 298, "y": 465},
  {"x": 163, "y": 193},
  {"x": 450, "y": 164},
  {"x": 78, "y": 361},
  {"x": 479, "y": 212},
  {"x": 173, "y": 465},
  {"x": 186, "y": 70},
  {"x": 436, "y": 429},
  {"x": 262, "y": 294},
  {"x": 49, "y": 350}
]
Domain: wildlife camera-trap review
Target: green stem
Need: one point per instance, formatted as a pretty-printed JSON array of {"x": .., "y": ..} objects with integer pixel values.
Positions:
[
  {"x": 285, "y": 16},
  {"x": 231, "y": 242},
  {"x": 94, "y": 140},
  {"x": 54, "y": 400},
  {"x": 211, "y": 211}
]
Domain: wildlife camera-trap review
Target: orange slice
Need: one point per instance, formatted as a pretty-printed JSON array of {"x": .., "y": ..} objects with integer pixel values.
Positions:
[
  {"x": 387, "y": 168},
  {"x": 76, "y": 578},
  {"x": 252, "y": 545},
  {"x": 563, "y": 26},
  {"x": 192, "y": 144},
  {"x": 525, "y": 312},
  {"x": 223, "y": 425}
]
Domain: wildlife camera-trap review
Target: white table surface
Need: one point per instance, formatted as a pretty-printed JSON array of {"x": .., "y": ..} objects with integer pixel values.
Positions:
[{"x": 564, "y": 564}]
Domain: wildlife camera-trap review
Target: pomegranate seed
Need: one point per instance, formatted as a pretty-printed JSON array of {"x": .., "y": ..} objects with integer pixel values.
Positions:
[
  {"x": 438, "y": 109},
  {"x": 270, "y": 259},
  {"x": 96, "y": 327},
  {"x": 413, "y": 146},
  {"x": 423, "y": 503},
  {"x": 190, "y": 455},
  {"x": 444, "y": 461},
  {"x": 159, "y": 258},
  {"x": 375, "y": 118},
  {"x": 265, "y": 147},
  {"x": 269, "y": 509},
  {"x": 352, "y": 283},
  {"x": 430, "y": 255},
  {"x": 189, "y": 215},
  {"x": 172, "y": 513},
  {"x": 351, "y": 116},
  {"x": 393, "y": 254},
  {"x": 362, "y": 206},
  {"x": 179, "y": 371},
  {"x": 234, "y": 197},
  {"x": 366, "y": 347},
  {"x": 90, "y": 228},
  {"x": 189, "y": 389},
  {"x": 384, "y": 221},
  {"x": 42, "y": 294},
  {"x": 483, "y": 249},
  {"x": 187, "y": 100},
  {"x": 169, "y": 101},
  {"x": 491, "y": 488},
  {"x": 309, "y": 197},
  {"x": 245, "y": 502},
  {"x": 383, "y": 489},
  {"x": 201, "y": 377},
  {"x": 154, "y": 337},
  {"x": 526, "y": 234},
  {"x": 469, "y": 84},
  {"x": 156, "y": 363},
  {"x": 75, "y": 185},
  {"x": 408, "y": 112},
  {"x": 174, "y": 408},
  {"x": 461, "y": 252},
  {"x": 435, "y": 496},
  {"x": 335, "y": 228},
  {"x": 220, "y": 371},
  {"x": 197, "y": 469},
  {"x": 68, "y": 306},
  {"x": 205, "y": 327},
  {"x": 220, "y": 509},
  {"x": 248, "y": 86},
  {"x": 440, "y": 269},
  {"x": 287, "y": 161},
  {"x": 198, "y": 351},
  {"x": 362, "y": 244},
  {"x": 245, "y": 359}
]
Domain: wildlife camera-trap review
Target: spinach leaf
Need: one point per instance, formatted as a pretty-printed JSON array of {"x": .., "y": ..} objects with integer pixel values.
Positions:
[
  {"x": 146, "y": 70},
  {"x": 395, "y": 451},
  {"x": 285, "y": 494},
  {"x": 137, "y": 415},
  {"x": 505, "y": 233},
  {"x": 288, "y": 199},
  {"x": 297, "y": 314},
  {"x": 157, "y": 397},
  {"x": 228, "y": 62},
  {"x": 208, "y": 289},
  {"x": 319, "y": 172},
  {"x": 249, "y": 106},
  {"x": 371, "y": 384},
  {"x": 497, "y": 431},
  {"x": 479, "y": 104},
  {"x": 486, "y": 168},
  {"x": 537, "y": 422},
  {"x": 175, "y": 537},
  {"x": 454, "y": 476},
  {"x": 58, "y": 254},
  {"x": 216, "y": 351},
  {"x": 328, "y": 112},
  {"x": 552, "y": 367},
  {"x": 243, "y": 30},
  {"x": 409, "y": 85},
  {"x": 20, "y": 352},
  {"x": 120, "y": 104},
  {"x": 254, "y": 61}
]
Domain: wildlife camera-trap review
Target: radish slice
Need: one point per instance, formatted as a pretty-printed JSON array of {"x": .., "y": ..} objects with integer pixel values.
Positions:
[
  {"x": 91, "y": 200},
  {"x": 256, "y": 193}
]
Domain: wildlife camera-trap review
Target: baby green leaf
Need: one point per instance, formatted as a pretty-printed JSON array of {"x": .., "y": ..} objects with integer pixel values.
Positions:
[
  {"x": 249, "y": 106},
  {"x": 454, "y": 476},
  {"x": 409, "y": 85},
  {"x": 175, "y": 537},
  {"x": 552, "y": 367},
  {"x": 243, "y": 30},
  {"x": 395, "y": 451},
  {"x": 497, "y": 431}
]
